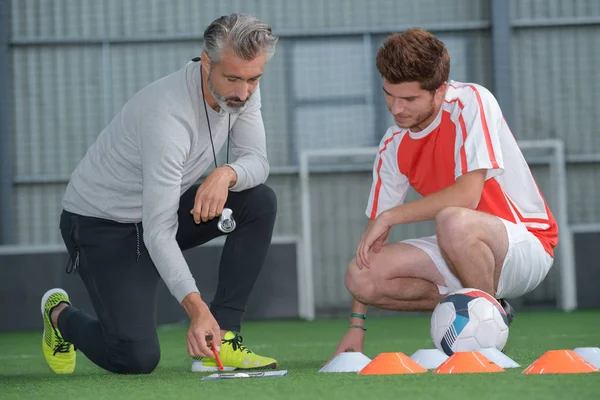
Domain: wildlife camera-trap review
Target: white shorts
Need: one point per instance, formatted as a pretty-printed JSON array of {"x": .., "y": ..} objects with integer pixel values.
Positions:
[{"x": 526, "y": 264}]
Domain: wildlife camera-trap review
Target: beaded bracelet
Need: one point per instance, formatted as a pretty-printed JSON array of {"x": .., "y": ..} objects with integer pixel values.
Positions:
[{"x": 358, "y": 326}]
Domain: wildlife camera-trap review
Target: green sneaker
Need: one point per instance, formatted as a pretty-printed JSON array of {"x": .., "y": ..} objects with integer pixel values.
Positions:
[
  {"x": 233, "y": 356},
  {"x": 59, "y": 354}
]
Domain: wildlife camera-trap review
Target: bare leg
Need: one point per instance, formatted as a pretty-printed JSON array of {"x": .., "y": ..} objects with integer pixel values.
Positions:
[
  {"x": 56, "y": 312},
  {"x": 401, "y": 277},
  {"x": 425, "y": 295},
  {"x": 474, "y": 245}
]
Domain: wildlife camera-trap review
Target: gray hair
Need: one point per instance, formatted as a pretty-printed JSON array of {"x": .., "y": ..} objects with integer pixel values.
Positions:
[{"x": 244, "y": 34}]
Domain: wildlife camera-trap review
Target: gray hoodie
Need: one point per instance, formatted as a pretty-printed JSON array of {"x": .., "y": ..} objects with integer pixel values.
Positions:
[{"x": 156, "y": 148}]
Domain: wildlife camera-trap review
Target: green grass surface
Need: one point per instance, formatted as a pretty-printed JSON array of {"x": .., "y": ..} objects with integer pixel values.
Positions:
[{"x": 301, "y": 348}]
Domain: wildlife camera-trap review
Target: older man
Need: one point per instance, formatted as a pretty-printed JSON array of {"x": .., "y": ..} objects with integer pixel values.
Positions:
[{"x": 132, "y": 205}]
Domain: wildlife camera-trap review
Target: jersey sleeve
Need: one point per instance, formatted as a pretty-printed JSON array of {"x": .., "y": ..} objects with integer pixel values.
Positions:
[
  {"x": 390, "y": 186},
  {"x": 480, "y": 126}
]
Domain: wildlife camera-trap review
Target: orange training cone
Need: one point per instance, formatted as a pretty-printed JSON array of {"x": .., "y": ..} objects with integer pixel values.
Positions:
[
  {"x": 392, "y": 363},
  {"x": 464, "y": 362},
  {"x": 560, "y": 362}
]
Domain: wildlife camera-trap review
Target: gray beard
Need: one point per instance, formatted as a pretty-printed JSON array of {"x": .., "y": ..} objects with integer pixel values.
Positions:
[{"x": 222, "y": 101}]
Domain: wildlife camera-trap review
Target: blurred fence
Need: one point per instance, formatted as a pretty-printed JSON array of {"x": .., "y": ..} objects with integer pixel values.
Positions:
[{"x": 73, "y": 64}]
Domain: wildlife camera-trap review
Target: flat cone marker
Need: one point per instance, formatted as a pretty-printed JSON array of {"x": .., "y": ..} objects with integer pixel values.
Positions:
[
  {"x": 498, "y": 357},
  {"x": 589, "y": 354},
  {"x": 392, "y": 364},
  {"x": 346, "y": 362},
  {"x": 560, "y": 362},
  {"x": 465, "y": 362},
  {"x": 429, "y": 358}
]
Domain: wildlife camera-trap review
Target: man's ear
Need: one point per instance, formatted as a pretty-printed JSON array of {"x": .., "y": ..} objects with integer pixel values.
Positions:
[
  {"x": 441, "y": 91},
  {"x": 205, "y": 62}
]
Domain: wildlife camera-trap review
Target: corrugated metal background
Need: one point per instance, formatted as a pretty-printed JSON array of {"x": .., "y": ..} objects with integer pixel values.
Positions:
[
  {"x": 540, "y": 10},
  {"x": 117, "y": 18},
  {"x": 320, "y": 90}
]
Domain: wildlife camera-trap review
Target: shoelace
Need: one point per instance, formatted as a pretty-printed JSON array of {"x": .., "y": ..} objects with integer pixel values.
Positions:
[
  {"x": 236, "y": 343},
  {"x": 61, "y": 347}
]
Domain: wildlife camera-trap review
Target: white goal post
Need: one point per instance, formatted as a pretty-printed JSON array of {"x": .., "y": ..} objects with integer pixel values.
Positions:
[{"x": 567, "y": 290}]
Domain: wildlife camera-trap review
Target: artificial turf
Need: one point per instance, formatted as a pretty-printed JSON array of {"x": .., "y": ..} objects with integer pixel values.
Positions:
[{"x": 301, "y": 348}]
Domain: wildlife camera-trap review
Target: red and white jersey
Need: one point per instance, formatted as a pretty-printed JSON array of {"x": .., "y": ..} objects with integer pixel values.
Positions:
[{"x": 469, "y": 133}]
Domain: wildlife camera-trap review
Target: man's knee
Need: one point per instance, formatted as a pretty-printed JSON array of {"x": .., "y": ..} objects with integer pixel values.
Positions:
[
  {"x": 360, "y": 283},
  {"x": 454, "y": 225},
  {"x": 135, "y": 358},
  {"x": 262, "y": 200}
]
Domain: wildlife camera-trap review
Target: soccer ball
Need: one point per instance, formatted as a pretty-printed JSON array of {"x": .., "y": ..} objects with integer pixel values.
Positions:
[{"x": 468, "y": 320}]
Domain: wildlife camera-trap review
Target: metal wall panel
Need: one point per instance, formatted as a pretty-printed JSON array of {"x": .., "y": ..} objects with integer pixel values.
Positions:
[
  {"x": 288, "y": 204},
  {"x": 37, "y": 212},
  {"x": 135, "y": 65},
  {"x": 584, "y": 193},
  {"x": 76, "y": 18},
  {"x": 58, "y": 101},
  {"x": 556, "y": 87},
  {"x": 547, "y": 9},
  {"x": 61, "y": 18},
  {"x": 275, "y": 92},
  {"x": 390, "y": 12}
]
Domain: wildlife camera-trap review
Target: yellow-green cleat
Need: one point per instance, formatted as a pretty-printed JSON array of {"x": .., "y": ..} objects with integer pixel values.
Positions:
[
  {"x": 59, "y": 354},
  {"x": 233, "y": 356}
]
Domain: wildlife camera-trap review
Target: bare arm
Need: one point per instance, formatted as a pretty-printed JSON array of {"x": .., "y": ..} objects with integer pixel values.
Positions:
[{"x": 465, "y": 192}]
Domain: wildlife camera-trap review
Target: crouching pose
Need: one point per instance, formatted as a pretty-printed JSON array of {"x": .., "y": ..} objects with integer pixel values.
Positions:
[
  {"x": 133, "y": 206},
  {"x": 451, "y": 144}
]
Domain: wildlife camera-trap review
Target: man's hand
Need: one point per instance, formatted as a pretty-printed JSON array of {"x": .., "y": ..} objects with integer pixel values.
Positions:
[
  {"x": 212, "y": 194},
  {"x": 353, "y": 340},
  {"x": 203, "y": 327},
  {"x": 203, "y": 330},
  {"x": 375, "y": 237}
]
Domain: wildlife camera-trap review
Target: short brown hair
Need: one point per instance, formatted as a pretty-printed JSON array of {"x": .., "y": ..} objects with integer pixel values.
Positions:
[{"x": 414, "y": 55}]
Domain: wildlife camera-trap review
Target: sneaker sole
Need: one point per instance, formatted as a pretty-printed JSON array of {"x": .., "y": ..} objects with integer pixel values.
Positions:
[
  {"x": 268, "y": 366},
  {"x": 50, "y": 293},
  {"x": 198, "y": 367}
]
